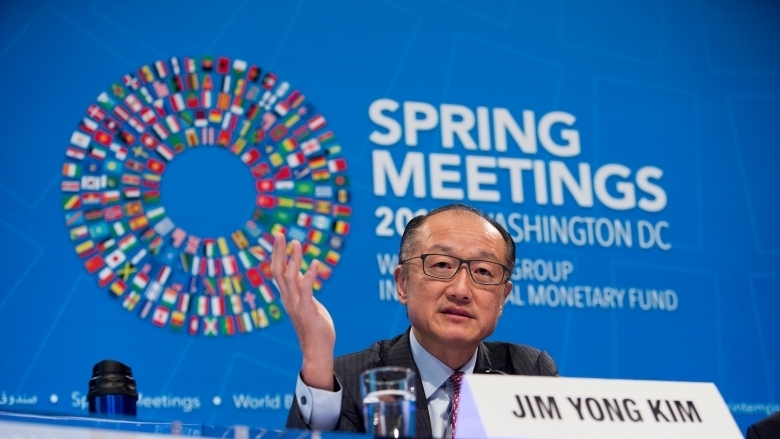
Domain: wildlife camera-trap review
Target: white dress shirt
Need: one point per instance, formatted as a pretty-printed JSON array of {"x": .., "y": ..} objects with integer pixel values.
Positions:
[{"x": 320, "y": 409}]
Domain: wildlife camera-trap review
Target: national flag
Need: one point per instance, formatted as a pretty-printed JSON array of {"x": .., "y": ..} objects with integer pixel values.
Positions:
[
  {"x": 86, "y": 248},
  {"x": 140, "y": 281},
  {"x": 161, "y": 89},
  {"x": 136, "y": 124},
  {"x": 192, "y": 82},
  {"x": 70, "y": 202},
  {"x": 228, "y": 325},
  {"x": 244, "y": 322},
  {"x": 275, "y": 312},
  {"x": 165, "y": 152},
  {"x": 157, "y": 212},
  {"x": 155, "y": 166},
  {"x": 131, "y": 300},
  {"x": 183, "y": 303},
  {"x": 130, "y": 193},
  {"x": 265, "y": 185},
  {"x": 122, "y": 113},
  {"x": 260, "y": 170},
  {"x": 118, "y": 229},
  {"x": 164, "y": 227},
  {"x": 97, "y": 153},
  {"x": 190, "y": 65},
  {"x": 93, "y": 214},
  {"x": 223, "y": 101},
  {"x": 153, "y": 291},
  {"x": 78, "y": 232},
  {"x": 177, "y": 320},
  {"x": 210, "y": 326},
  {"x": 161, "y": 68},
  {"x": 105, "y": 276},
  {"x": 70, "y": 186},
  {"x": 115, "y": 258},
  {"x": 164, "y": 274},
  {"x": 314, "y": 236},
  {"x": 337, "y": 165},
  {"x": 138, "y": 222},
  {"x": 202, "y": 307},
  {"x": 217, "y": 306},
  {"x": 160, "y": 130},
  {"x": 75, "y": 153},
  {"x": 317, "y": 162},
  {"x": 266, "y": 293},
  {"x": 177, "y": 102},
  {"x": 110, "y": 197},
  {"x": 169, "y": 296},
  {"x": 341, "y": 227},
  {"x": 223, "y": 246},
  {"x": 127, "y": 137},
  {"x": 94, "y": 264},
  {"x": 250, "y": 157},
  {"x": 208, "y": 283},
  {"x": 191, "y": 100},
  {"x": 266, "y": 201},
  {"x": 332, "y": 257},
  {"x": 342, "y": 196},
  {"x": 283, "y": 173},
  {"x": 160, "y": 316},
  {"x": 259, "y": 318},
  {"x": 207, "y": 83},
  {"x": 269, "y": 80},
  {"x": 71, "y": 170},
  {"x": 133, "y": 208},
  {"x": 178, "y": 84},
  {"x": 230, "y": 265},
  {"x": 225, "y": 286},
  {"x": 105, "y": 101},
  {"x": 296, "y": 159},
  {"x": 342, "y": 211},
  {"x": 193, "y": 325},
  {"x": 191, "y": 136},
  {"x": 258, "y": 253},
  {"x": 96, "y": 112},
  {"x": 88, "y": 125},
  {"x": 226, "y": 84},
  {"x": 311, "y": 250},
  {"x": 74, "y": 218},
  {"x": 173, "y": 123},
  {"x": 303, "y": 219},
  {"x": 106, "y": 245},
  {"x": 320, "y": 175},
  {"x": 147, "y": 115},
  {"x": 321, "y": 222},
  {"x": 118, "y": 287},
  {"x": 304, "y": 203},
  {"x": 132, "y": 101},
  {"x": 89, "y": 198},
  {"x": 254, "y": 277}
]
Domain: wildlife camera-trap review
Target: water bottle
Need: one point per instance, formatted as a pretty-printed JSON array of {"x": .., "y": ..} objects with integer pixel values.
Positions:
[{"x": 112, "y": 390}]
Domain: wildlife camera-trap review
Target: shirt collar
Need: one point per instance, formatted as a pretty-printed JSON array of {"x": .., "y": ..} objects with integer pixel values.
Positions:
[{"x": 433, "y": 372}]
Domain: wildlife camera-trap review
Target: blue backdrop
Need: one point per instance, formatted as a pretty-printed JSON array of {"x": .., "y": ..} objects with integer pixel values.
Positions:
[{"x": 629, "y": 147}]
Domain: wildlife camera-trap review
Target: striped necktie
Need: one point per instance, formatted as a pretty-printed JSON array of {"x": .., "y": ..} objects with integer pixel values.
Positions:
[{"x": 455, "y": 379}]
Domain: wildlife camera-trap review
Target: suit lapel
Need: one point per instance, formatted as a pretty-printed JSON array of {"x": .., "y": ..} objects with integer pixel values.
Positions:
[{"x": 400, "y": 355}]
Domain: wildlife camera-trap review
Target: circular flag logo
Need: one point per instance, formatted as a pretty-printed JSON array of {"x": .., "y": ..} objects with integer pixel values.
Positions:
[{"x": 115, "y": 210}]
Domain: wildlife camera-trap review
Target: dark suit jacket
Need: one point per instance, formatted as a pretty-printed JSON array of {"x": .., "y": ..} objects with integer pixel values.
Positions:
[
  {"x": 512, "y": 359},
  {"x": 769, "y": 428}
]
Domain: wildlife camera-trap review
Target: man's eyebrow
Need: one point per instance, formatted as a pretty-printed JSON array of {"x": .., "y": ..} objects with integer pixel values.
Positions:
[{"x": 446, "y": 249}]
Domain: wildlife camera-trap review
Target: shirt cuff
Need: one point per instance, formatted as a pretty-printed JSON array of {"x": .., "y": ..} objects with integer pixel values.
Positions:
[{"x": 320, "y": 409}]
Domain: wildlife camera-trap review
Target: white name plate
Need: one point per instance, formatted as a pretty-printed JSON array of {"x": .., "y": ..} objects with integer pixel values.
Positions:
[{"x": 495, "y": 406}]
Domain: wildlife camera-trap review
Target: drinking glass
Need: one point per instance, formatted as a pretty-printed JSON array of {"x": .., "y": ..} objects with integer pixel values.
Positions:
[{"x": 389, "y": 401}]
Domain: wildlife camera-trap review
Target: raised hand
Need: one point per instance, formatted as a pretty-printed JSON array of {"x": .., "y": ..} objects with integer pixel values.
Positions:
[{"x": 312, "y": 322}]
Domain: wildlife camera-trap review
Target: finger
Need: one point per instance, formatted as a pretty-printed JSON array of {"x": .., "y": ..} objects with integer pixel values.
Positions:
[
  {"x": 307, "y": 283},
  {"x": 293, "y": 269},
  {"x": 279, "y": 256}
]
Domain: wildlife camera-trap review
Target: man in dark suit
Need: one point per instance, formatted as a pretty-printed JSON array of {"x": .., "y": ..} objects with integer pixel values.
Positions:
[
  {"x": 453, "y": 276},
  {"x": 768, "y": 428}
]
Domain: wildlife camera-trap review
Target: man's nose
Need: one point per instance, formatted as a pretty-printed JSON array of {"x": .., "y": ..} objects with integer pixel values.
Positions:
[{"x": 461, "y": 284}]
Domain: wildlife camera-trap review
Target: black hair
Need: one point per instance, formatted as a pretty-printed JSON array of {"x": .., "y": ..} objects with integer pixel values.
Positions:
[{"x": 410, "y": 232}]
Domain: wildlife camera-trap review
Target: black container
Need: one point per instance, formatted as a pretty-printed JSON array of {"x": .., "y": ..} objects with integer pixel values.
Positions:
[{"x": 112, "y": 390}]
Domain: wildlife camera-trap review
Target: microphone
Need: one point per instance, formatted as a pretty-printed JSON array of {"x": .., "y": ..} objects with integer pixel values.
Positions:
[{"x": 489, "y": 371}]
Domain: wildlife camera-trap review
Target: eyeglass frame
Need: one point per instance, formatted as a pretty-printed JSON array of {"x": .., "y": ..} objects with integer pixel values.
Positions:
[{"x": 468, "y": 262}]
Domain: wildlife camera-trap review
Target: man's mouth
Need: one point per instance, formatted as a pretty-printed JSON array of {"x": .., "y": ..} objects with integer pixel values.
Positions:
[{"x": 457, "y": 312}]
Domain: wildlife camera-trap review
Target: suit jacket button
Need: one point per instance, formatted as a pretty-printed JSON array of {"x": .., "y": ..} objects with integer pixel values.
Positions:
[{"x": 303, "y": 400}]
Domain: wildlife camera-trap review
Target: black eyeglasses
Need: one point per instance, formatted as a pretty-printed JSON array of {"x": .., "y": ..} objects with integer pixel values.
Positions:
[{"x": 446, "y": 267}]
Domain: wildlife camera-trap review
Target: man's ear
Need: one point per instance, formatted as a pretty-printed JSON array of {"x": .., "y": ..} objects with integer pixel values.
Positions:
[
  {"x": 507, "y": 290},
  {"x": 400, "y": 283}
]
